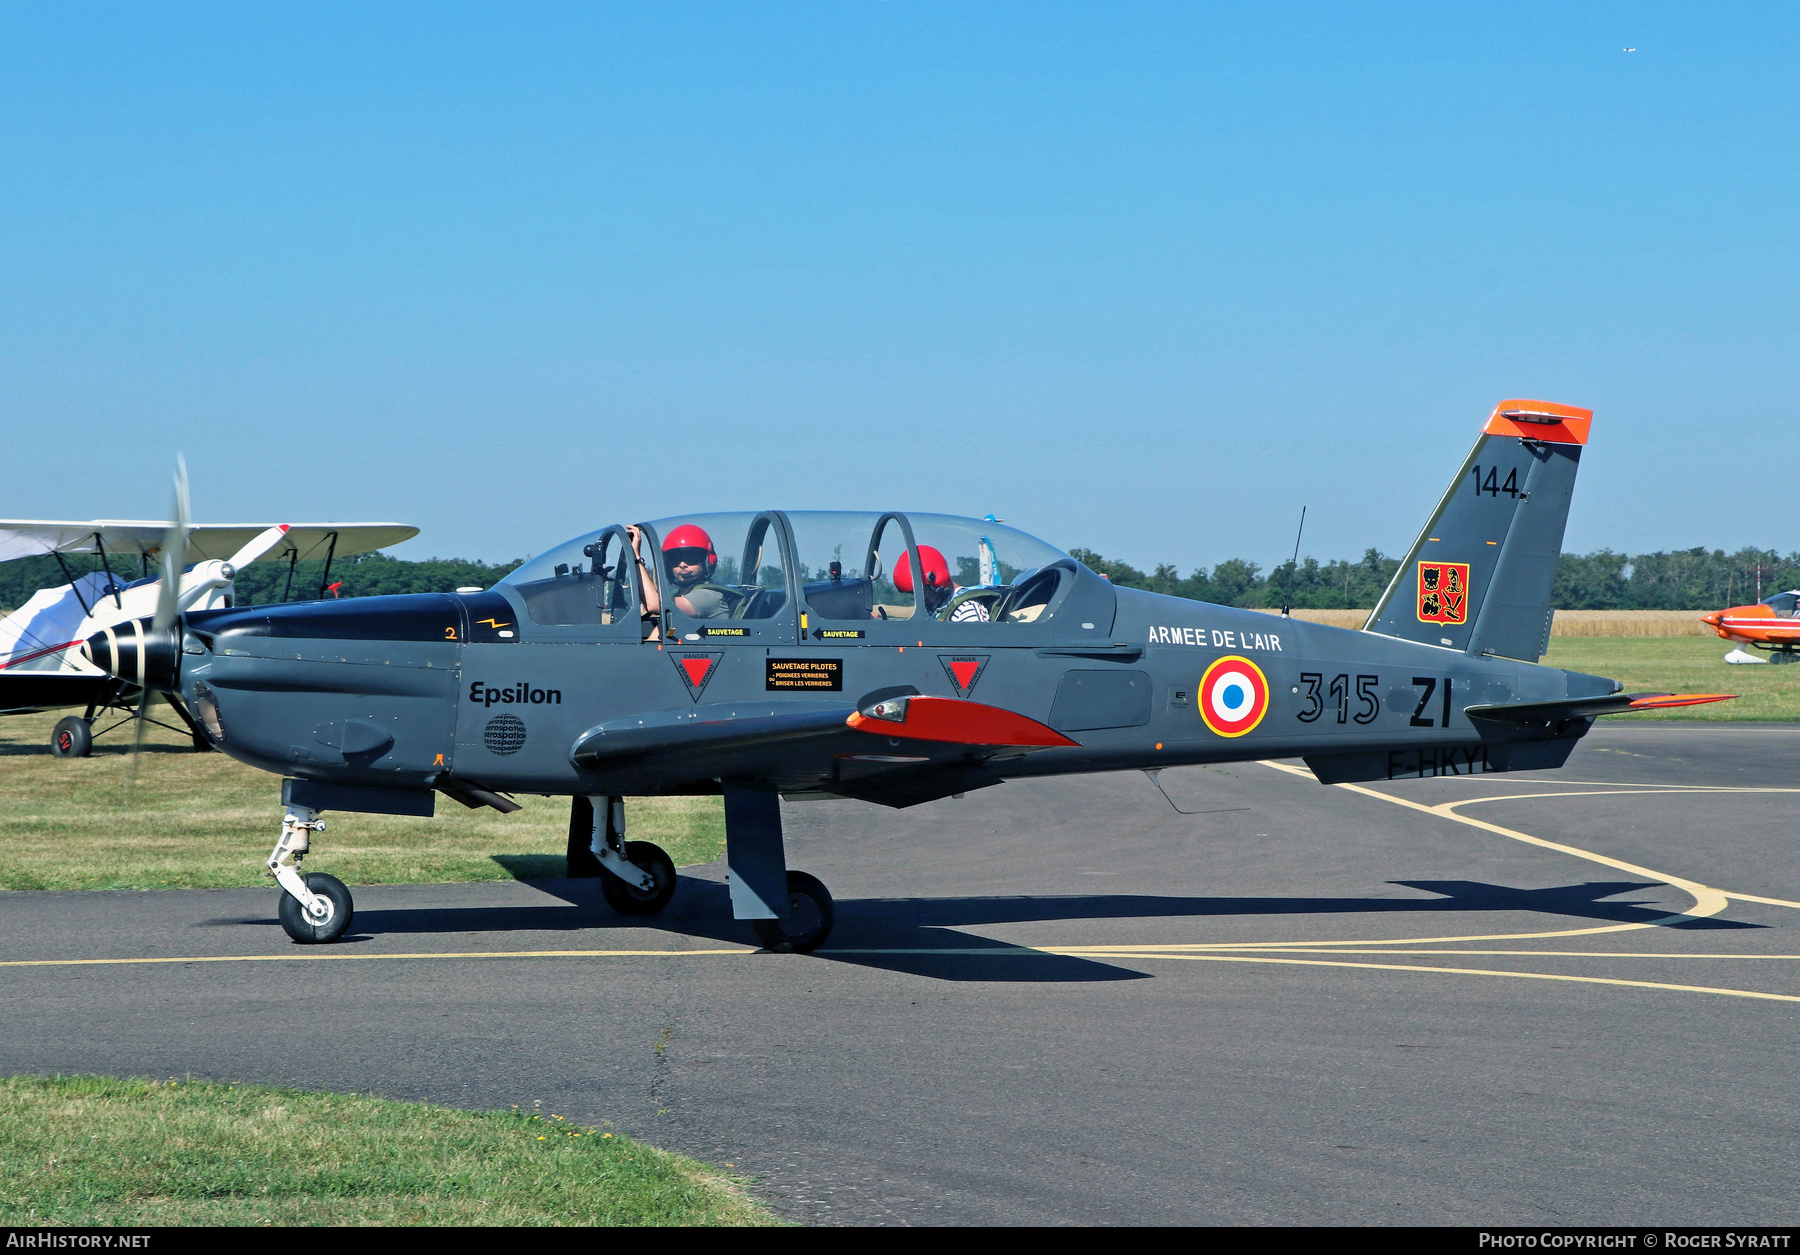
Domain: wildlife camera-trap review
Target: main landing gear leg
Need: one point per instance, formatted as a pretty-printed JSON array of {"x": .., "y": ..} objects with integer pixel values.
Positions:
[
  {"x": 636, "y": 877},
  {"x": 788, "y": 911},
  {"x": 314, "y": 908}
]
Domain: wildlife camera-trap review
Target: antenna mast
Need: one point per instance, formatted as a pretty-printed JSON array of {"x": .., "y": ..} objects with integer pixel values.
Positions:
[{"x": 1294, "y": 566}]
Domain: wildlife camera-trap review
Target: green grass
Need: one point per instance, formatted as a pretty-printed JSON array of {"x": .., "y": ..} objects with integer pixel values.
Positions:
[
  {"x": 206, "y": 821},
  {"x": 1683, "y": 664},
  {"x": 99, "y": 1151}
]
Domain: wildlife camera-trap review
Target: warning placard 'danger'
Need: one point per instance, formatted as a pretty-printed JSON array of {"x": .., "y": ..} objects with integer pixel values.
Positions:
[{"x": 816, "y": 674}]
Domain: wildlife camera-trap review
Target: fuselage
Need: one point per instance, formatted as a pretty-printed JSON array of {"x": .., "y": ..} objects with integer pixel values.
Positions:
[
  {"x": 1771, "y": 622},
  {"x": 415, "y": 691}
]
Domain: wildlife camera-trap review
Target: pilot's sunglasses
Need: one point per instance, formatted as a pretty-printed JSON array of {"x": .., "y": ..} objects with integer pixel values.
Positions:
[{"x": 687, "y": 557}]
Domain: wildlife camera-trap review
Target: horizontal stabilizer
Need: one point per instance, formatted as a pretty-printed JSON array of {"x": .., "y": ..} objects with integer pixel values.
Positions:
[{"x": 1589, "y": 707}]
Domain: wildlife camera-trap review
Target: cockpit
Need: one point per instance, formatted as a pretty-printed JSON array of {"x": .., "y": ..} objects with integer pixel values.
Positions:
[
  {"x": 1785, "y": 605},
  {"x": 847, "y": 574}
]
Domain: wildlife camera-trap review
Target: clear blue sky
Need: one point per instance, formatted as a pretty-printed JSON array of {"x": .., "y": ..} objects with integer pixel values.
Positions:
[{"x": 1138, "y": 277}]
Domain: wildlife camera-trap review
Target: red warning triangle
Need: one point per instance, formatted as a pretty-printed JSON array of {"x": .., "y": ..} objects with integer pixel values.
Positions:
[
  {"x": 696, "y": 668},
  {"x": 964, "y": 670}
]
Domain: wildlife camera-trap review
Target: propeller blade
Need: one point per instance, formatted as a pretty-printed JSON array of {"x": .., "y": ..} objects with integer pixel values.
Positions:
[
  {"x": 145, "y": 698},
  {"x": 174, "y": 553},
  {"x": 168, "y": 605},
  {"x": 258, "y": 546}
]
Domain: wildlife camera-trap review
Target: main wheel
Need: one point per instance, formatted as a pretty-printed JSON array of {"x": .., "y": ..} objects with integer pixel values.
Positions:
[
  {"x": 72, "y": 737},
  {"x": 629, "y": 899},
  {"x": 305, "y": 929},
  {"x": 809, "y": 920}
]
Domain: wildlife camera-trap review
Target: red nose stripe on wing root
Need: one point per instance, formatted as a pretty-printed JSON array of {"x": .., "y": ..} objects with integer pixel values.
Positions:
[{"x": 963, "y": 723}]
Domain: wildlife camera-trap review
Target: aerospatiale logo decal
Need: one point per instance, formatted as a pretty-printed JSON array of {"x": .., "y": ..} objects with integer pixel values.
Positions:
[
  {"x": 696, "y": 668},
  {"x": 1444, "y": 592},
  {"x": 1234, "y": 695},
  {"x": 964, "y": 670}
]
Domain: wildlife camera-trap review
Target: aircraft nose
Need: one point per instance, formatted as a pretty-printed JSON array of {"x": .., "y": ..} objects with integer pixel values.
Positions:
[{"x": 136, "y": 652}]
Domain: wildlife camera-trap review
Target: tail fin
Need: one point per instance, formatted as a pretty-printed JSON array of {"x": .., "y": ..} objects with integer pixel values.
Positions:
[{"x": 1478, "y": 578}]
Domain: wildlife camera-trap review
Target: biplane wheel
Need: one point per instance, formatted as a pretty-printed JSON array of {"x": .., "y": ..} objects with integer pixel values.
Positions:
[
  {"x": 810, "y": 916},
  {"x": 1781, "y": 656},
  {"x": 307, "y": 931},
  {"x": 630, "y": 900},
  {"x": 72, "y": 737}
]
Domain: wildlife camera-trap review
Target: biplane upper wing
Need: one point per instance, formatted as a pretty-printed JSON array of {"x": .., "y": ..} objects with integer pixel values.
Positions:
[{"x": 28, "y": 538}]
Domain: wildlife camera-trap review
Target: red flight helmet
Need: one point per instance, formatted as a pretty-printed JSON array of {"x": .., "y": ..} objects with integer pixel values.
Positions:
[
  {"x": 687, "y": 536},
  {"x": 937, "y": 571}
]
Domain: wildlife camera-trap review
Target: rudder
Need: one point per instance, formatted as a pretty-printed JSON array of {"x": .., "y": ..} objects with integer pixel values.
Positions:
[{"x": 1479, "y": 576}]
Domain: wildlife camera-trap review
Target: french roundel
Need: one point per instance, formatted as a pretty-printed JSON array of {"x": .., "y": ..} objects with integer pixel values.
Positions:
[{"x": 1234, "y": 696}]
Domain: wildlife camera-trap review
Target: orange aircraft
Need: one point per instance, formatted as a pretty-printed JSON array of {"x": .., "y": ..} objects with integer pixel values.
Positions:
[{"x": 1772, "y": 625}]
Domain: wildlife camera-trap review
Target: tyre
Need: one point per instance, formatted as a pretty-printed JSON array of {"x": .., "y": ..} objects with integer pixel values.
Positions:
[
  {"x": 308, "y": 932},
  {"x": 72, "y": 737},
  {"x": 810, "y": 916},
  {"x": 630, "y": 900}
]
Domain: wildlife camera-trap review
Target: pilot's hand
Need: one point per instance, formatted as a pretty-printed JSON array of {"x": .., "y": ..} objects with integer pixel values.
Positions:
[{"x": 637, "y": 538}]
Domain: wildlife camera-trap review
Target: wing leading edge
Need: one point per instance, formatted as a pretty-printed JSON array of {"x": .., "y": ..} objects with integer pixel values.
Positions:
[{"x": 30, "y": 538}]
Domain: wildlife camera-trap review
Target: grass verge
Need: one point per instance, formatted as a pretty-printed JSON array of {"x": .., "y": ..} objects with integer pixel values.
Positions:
[
  {"x": 90, "y": 1150},
  {"x": 1682, "y": 664},
  {"x": 207, "y": 821}
]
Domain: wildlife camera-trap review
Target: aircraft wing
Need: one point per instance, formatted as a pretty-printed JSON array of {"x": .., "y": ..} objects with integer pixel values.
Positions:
[
  {"x": 897, "y": 752},
  {"x": 27, "y": 538}
]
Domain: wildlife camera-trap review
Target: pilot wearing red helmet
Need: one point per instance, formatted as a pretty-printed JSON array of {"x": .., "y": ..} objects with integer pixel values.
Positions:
[
  {"x": 939, "y": 586},
  {"x": 689, "y": 561}
]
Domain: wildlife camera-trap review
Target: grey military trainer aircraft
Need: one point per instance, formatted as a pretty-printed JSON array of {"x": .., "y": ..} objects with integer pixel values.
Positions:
[{"x": 894, "y": 658}]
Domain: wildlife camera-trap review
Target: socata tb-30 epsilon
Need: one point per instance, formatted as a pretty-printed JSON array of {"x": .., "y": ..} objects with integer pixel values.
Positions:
[{"x": 796, "y": 653}]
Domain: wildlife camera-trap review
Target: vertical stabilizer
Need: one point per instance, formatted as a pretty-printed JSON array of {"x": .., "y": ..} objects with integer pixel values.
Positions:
[{"x": 1478, "y": 578}]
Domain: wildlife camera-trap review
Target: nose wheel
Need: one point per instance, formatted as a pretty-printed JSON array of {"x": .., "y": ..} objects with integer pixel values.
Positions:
[
  {"x": 809, "y": 918},
  {"x": 628, "y": 899}
]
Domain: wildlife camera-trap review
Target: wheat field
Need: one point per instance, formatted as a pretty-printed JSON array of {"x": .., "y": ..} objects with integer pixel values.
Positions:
[{"x": 1608, "y": 623}]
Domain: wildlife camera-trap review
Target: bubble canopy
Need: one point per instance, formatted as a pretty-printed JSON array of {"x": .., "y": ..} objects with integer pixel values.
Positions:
[{"x": 862, "y": 543}]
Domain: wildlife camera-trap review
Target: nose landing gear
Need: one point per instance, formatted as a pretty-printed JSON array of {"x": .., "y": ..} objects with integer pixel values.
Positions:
[{"x": 314, "y": 908}]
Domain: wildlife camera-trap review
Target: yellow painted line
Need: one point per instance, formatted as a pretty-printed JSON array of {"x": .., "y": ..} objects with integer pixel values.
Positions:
[
  {"x": 1471, "y": 971},
  {"x": 1707, "y": 900},
  {"x": 1751, "y": 897},
  {"x": 320, "y": 955},
  {"x": 1294, "y": 948}
]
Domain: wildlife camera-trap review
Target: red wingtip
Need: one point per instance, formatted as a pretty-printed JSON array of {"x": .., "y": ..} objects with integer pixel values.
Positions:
[{"x": 1661, "y": 701}]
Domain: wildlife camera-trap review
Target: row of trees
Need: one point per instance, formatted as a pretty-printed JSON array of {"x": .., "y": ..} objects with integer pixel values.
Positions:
[
  {"x": 1309, "y": 584},
  {"x": 1688, "y": 579}
]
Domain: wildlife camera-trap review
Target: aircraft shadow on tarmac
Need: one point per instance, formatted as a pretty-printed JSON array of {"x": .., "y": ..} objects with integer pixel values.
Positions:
[{"x": 921, "y": 936}]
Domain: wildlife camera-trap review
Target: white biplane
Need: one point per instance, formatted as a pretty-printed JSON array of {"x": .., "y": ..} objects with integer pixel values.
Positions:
[{"x": 41, "y": 666}]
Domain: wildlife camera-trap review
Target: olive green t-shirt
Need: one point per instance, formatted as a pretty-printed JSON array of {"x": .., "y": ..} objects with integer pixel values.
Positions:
[{"x": 708, "y": 602}]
